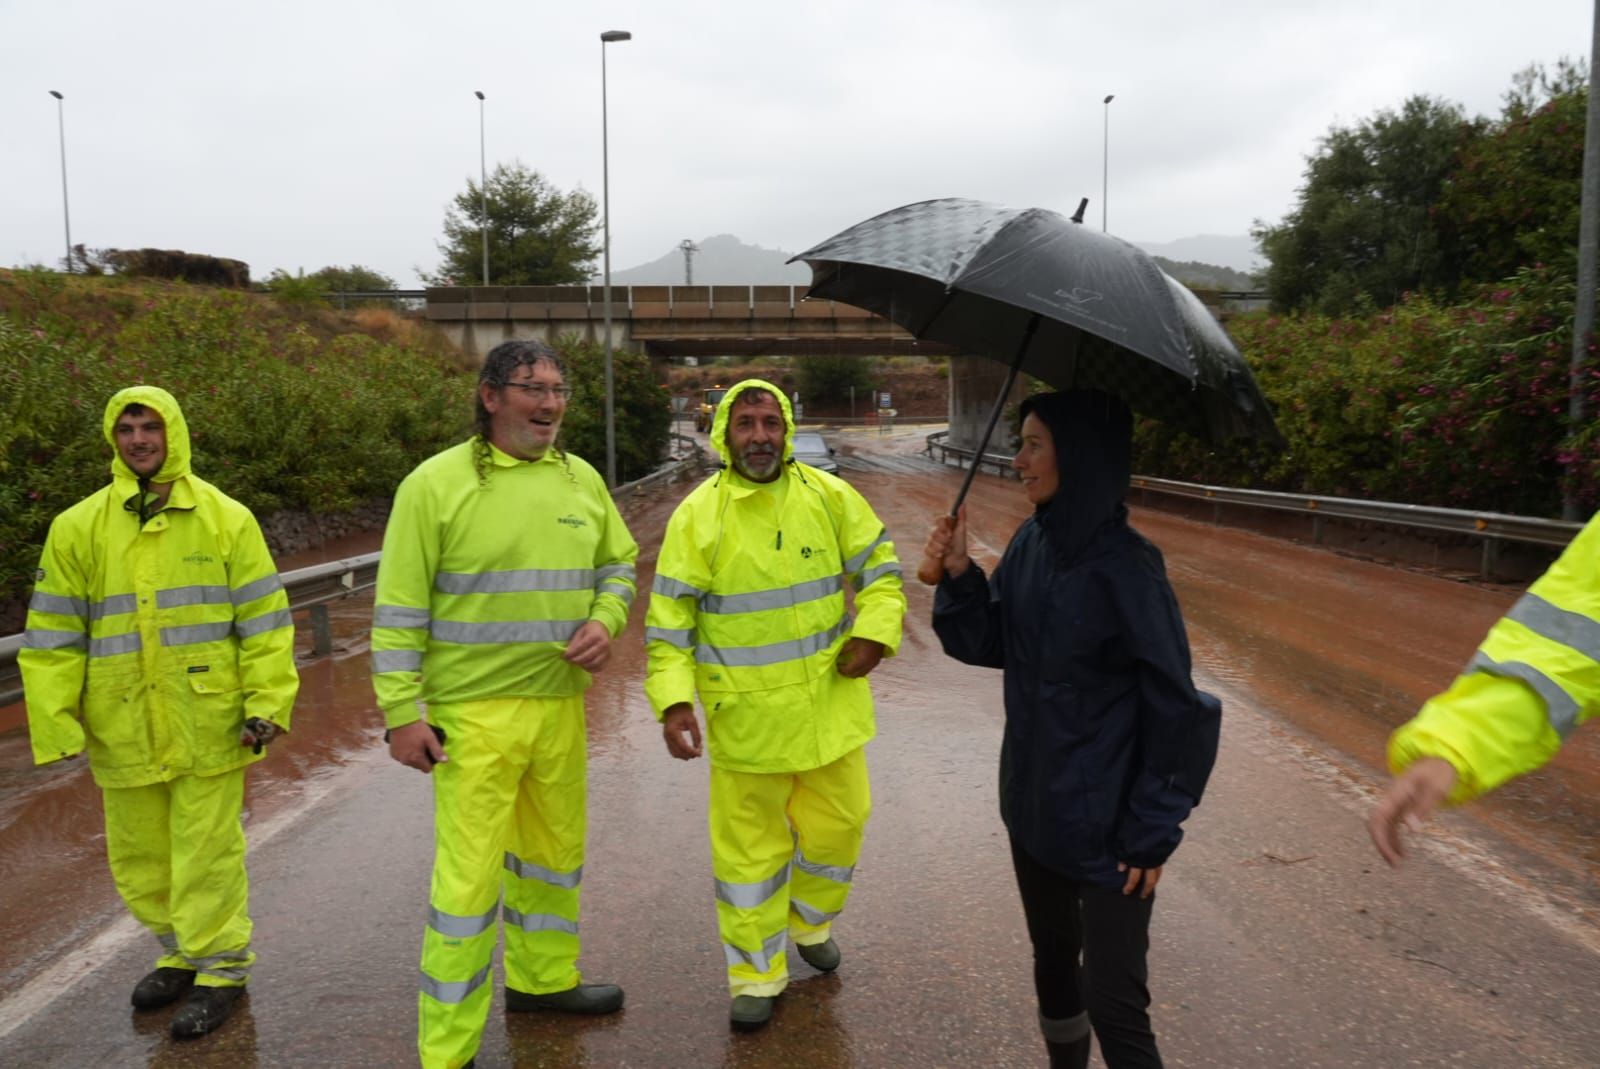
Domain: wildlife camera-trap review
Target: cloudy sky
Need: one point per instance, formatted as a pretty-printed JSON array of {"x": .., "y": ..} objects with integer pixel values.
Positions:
[{"x": 299, "y": 134}]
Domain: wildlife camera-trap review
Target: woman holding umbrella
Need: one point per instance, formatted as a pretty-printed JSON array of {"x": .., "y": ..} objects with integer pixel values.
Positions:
[{"x": 1107, "y": 743}]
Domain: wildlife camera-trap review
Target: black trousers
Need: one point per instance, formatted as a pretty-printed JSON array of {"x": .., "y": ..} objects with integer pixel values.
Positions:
[{"x": 1089, "y": 948}]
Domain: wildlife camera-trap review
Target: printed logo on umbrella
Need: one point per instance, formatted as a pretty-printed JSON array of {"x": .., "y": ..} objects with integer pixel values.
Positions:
[{"x": 1079, "y": 295}]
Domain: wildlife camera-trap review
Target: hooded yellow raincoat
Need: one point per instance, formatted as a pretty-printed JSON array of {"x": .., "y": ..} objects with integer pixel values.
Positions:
[{"x": 149, "y": 644}]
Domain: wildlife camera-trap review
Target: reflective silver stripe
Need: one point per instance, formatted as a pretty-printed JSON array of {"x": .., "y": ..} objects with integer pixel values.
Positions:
[
  {"x": 615, "y": 571},
  {"x": 867, "y": 578},
  {"x": 228, "y": 966},
  {"x": 619, "y": 588},
  {"x": 111, "y": 645},
  {"x": 260, "y": 625},
  {"x": 458, "y": 927},
  {"x": 396, "y": 661},
  {"x": 836, "y": 873},
  {"x": 809, "y": 913},
  {"x": 1557, "y": 624},
  {"x": 682, "y": 638},
  {"x": 760, "y": 960},
  {"x": 115, "y": 605},
  {"x": 669, "y": 587},
  {"x": 751, "y": 895},
  {"x": 453, "y": 991},
  {"x": 168, "y": 940},
  {"x": 193, "y": 634},
  {"x": 505, "y": 631},
  {"x": 529, "y": 871},
  {"x": 38, "y": 638},
  {"x": 775, "y": 653},
  {"x": 260, "y": 588},
  {"x": 782, "y": 597},
  {"x": 58, "y": 605},
  {"x": 179, "y": 596},
  {"x": 240, "y": 973},
  {"x": 857, "y": 562},
  {"x": 514, "y": 582},
  {"x": 1560, "y": 709},
  {"x": 400, "y": 616},
  {"x": 540, "y": 922}
]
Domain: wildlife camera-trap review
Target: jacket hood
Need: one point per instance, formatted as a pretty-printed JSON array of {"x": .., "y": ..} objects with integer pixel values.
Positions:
[
  {"x": 1093, "y": 437},
  {"x": 176, "y": 466},
  {"x": 719, "y": 425}
]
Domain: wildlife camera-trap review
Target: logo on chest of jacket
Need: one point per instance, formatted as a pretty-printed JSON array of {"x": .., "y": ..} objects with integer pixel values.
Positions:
[
  {"x": 806, "y": 553},
  {"x": 572, "y": 521},
  {"x": 199, "y": 558}
]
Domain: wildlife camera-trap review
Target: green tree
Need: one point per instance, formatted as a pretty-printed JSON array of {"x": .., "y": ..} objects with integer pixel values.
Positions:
[
  {"x": 538, "y": 235},
  {"x": 1512, "y": 201},
  {"x": 1362, "y": 234},
  {"x": 643, "y": 408},
  {"x": 825, "y": 379},
  {"x": 353, "y": 279}
]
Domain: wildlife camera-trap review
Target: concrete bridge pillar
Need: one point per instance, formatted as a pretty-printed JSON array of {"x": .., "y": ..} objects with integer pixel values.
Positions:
[{"x": 974, "y": 384}]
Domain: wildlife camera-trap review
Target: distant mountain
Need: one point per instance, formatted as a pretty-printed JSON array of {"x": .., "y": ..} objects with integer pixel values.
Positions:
[
  {"x": 721, "y": 260},
  {"x": 1208, "y": 276},
  {"x": 1235, "y": 251}
]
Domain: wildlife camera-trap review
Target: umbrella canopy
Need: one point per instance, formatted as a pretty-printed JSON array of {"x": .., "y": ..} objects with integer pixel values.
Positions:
[{"x": 1078, "y": 309}]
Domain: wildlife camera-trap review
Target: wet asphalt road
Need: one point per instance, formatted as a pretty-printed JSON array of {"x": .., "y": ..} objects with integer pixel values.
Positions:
[{"x": 1279, "y": 938}]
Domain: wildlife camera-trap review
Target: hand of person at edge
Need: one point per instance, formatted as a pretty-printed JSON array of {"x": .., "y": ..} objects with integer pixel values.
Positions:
[
  {"x": 1410, "y": 800},
  {"x": 417, "y": 746},
  {"x": 948, "y": 542},
  {"x": 590, "y": 647},
  {"x": 858, "y": 656},
  {"x": 682, "y": 732},
  {"x": 1142, "y": 880}
]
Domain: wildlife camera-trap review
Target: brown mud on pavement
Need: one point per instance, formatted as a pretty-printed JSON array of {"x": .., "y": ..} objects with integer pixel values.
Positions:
[{"x": 1279, "y": 940}]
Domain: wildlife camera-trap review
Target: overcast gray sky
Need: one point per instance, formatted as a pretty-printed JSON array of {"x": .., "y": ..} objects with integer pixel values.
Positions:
[{"x": 298, "y": 135}]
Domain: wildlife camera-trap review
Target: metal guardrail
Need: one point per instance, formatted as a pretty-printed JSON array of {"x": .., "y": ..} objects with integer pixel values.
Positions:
[
  {"x": 1494, "y": 528},
  {"x": 313, "y": 588}
]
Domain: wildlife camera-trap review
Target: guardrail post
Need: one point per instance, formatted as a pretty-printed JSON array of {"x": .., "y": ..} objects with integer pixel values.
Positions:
[
  {"x": 321, "y": 631},
  {"x": 1316, "y": 529},
  {"x": 1491, "y": 558}
]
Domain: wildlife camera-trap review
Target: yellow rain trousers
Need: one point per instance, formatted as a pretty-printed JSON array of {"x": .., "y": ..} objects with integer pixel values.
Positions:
[
  {"x": 177, "y": 855},
  {"x": 508, "y": 843},
  {"x": 783, "y": 850}
]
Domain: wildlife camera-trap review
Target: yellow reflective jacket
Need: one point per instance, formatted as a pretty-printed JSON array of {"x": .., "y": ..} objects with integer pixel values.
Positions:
[
  {"x": 150, "y": 646},
  {"x": 748, "y": 609},
  {"x": 1535, "y": 678},
  {"x": 483, "y": 582}
]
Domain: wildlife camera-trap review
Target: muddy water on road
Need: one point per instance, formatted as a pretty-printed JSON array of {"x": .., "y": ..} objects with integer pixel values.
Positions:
[{"x": 1341, "y": 649}]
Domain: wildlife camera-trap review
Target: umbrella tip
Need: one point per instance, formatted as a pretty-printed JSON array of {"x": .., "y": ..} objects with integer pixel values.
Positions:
[{"x": 1077, "y": 216}]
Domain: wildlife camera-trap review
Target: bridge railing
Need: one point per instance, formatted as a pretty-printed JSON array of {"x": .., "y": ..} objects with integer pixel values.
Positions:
[
  {"x": 312, "y": 589},
  {"x": 1494, "y": 528}
]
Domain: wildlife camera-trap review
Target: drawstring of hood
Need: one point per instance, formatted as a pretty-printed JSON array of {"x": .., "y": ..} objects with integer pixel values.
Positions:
[{"x": 138, "y": 498}]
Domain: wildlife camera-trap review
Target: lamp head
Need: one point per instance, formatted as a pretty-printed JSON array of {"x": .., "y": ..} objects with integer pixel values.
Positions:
[
  {"x": 1109, "y": 98},
  {"x": 615, "y": 35},
  {"x": 478, "y": 93},
  {"x": 57, "y": 95}
]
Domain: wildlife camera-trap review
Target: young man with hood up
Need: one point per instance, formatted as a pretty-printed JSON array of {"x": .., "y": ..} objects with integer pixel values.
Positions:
[
  {"x": 748, "y": 611},
  {"x": 159, "y": 640},
  {"x": 1107, "y": 744}
]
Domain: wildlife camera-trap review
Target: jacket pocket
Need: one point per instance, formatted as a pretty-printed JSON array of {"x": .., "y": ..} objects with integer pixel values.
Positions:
[{"x": 116, "y": 716}]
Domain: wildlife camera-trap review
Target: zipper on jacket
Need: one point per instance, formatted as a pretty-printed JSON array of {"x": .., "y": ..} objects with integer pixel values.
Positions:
[{"x": 780, "y": 538}]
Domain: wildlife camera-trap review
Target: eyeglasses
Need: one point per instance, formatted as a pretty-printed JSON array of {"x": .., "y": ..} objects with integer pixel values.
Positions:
[{"x": 540, "y": 392}]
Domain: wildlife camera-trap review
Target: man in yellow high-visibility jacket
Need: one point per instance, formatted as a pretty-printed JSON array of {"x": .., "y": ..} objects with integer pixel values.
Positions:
[
  {"x": 159, "y": 640},
  {"x": 748, "y": 611},
  {"x": 1535, "y": 678},
  {"x": 506, "y": 573}
]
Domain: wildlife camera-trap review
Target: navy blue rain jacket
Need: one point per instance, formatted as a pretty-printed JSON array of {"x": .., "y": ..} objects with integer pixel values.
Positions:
[{"x": 1108, "y": 745}]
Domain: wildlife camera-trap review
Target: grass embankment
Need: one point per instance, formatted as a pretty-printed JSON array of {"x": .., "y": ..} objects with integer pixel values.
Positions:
[{"x": 299, "y": 408}]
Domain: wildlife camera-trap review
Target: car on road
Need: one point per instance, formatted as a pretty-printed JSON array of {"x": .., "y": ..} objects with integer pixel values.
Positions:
[{"x": 813, "y": 449}]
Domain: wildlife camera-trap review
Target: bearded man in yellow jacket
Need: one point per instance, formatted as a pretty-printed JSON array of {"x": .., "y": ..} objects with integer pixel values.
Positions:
[
  {"x": 506, "y": 573},
  {"x": 1534, "y": 679},
  {"x": 748, "y": 611},
  {"x": 159, "y": 640}
]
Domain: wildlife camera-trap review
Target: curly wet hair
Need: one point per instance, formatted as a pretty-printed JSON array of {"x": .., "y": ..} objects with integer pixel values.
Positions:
[{"x": 498, "y": 366}]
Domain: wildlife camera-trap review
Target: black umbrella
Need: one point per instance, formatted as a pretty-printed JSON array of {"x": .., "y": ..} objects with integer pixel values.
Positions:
[
  {"x": 1033, "y": 289},
  {"x": 1039, "y": 292}
]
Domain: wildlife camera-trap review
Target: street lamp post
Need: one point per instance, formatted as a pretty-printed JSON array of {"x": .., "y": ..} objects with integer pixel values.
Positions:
[
  {"x": 605, "y": 201},
  {"x": 1105, "y": 160},
  {"x": 483, "y": 187},
  {"x": 66, "y": 215}
]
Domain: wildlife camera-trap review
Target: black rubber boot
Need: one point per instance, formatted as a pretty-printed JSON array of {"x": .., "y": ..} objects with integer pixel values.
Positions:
[
  {"x": 204, "y": 1011},
  {"x": 588, "y": 999},
  {"x": 162, "y": 987}
]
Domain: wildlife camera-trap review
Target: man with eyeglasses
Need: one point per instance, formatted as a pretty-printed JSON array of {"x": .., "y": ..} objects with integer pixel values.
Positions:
[
  {"x": 506, "y": 573},
  {"x": 159, "y": 640}
]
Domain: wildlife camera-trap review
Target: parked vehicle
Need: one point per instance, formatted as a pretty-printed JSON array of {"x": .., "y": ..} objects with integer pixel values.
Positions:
[
  {"x": 707, "y": 411},
  {"x": 813, "y": 449}
]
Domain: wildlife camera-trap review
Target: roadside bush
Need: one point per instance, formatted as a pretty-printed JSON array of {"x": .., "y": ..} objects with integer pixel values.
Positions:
[{"x": 643, "y": 408}]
